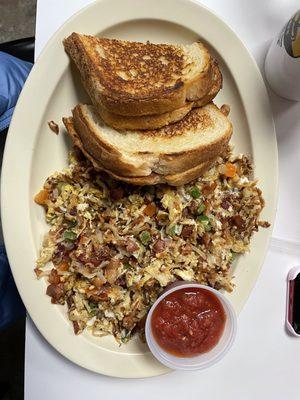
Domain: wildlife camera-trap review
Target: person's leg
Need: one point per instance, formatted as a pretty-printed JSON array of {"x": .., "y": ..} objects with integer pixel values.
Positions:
[
  {"x": 13, "y": 74},
  {"x": 12, "y": 361}
]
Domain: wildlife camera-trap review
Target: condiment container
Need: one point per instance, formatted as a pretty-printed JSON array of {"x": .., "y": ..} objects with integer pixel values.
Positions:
[
  {"x": 203, "y": 360},
  {"x": 282, "y": 64}
]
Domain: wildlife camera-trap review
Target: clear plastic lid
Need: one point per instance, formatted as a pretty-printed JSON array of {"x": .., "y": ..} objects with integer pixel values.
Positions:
[{"x": 200, "y": 361}]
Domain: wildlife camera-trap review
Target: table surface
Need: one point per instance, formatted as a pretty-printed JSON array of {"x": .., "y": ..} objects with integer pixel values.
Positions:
[{"x": 263, "y": 362}]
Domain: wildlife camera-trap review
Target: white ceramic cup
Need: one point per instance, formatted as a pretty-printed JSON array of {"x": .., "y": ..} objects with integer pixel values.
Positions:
[
  {"x": 201, "y": 361},
  {"x": 282, "y": 64}
]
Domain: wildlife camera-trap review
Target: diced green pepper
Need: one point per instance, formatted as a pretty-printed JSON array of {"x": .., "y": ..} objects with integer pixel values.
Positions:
[
  {"x": 207, "y": 227},
  {"x": 124, "y": 339},
  {"x": 205, "y": 222},
  {"x": 233, "y": 255},
  {"x": 174, "y": 230},
  {"x": 145, "y": 237},
  {"x": 70, "y": 235},
  {"x": 201, "y": 208},
  {"x": 195, "y": 192},
  {"x": 203, "y": 218}
]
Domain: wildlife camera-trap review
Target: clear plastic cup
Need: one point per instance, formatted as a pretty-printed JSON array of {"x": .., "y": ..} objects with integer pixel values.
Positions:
[{"x": 203, "y": 360}]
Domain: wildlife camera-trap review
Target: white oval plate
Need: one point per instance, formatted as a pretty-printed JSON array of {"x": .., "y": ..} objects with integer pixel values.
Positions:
[{"x": 33, "y": 152}]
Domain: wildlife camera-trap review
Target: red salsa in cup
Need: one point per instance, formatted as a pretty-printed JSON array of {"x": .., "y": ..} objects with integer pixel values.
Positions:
[{"x": 188, "y": 322}]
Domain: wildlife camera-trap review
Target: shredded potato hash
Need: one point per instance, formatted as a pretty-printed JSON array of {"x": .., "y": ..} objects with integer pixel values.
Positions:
[{"x": 112, "y": 248}]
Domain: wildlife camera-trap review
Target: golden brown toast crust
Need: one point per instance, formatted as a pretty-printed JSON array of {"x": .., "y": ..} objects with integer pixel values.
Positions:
[
  {"x": 108, "y": 156},
  {"x": 144, "y": 122},
  {"x": 217, "y": 84},
  {"x": 112, "y": 158},
  {"x": 152, "y": 179},
  {"x": 192, "y": 119},
  {"x": 128, "y": 68},
  {"x": 156, "y": 121},
  {"x": 149, "y": 81}
]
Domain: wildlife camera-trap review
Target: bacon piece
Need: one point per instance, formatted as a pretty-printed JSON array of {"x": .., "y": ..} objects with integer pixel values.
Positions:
[
  {"x": 187, "y": 231},
  {"x": 159, "y": 246},
  {"x": 55, "y": 291}
]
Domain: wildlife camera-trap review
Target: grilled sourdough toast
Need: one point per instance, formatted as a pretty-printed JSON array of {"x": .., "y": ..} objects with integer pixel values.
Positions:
[
  {"x": 132, "y": 78},
  {"x": 152, "y": 179},
  {"x": 156, "y": 121},
  {"x": 199, "y": 137}
]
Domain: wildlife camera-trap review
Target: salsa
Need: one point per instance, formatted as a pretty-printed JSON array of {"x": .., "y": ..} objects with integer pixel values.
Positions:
[{"x": 188, "y": 322}]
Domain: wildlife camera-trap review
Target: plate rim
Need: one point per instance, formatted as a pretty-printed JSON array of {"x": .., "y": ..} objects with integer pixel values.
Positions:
[{"x": 6, "y": 191}]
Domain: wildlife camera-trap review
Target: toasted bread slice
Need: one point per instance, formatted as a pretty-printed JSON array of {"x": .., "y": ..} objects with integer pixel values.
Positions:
[
  {"x": 216, "y": 86},
  {"x": 199, "y": 137},
  {"x": 144, "y": 122},
  {"x": 152, "y": 179},
  {"x": 132, "y": 78},
  {"x": 157, "y": 121}
]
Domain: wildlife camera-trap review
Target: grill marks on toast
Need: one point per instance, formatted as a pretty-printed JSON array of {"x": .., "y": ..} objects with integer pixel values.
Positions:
[
  {"x": 131, "y": 67},
  {"x": 156, "y": 121},
  {"x": 133, "y": 78},
  {"x": 150, "y": 121},
  {"x": 192, "y": 121},
  {"x": 144, "y": 122}
]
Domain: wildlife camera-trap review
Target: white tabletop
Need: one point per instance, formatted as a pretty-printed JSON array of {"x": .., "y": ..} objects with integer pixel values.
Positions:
[{"x": 264, "y": 361}]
